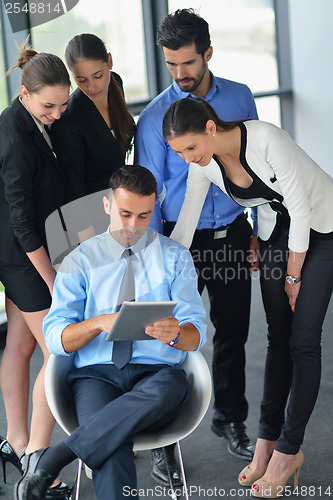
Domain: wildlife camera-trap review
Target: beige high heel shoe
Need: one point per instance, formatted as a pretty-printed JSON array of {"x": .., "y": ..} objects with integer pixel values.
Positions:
[
  {"x": 248, "y": 476},
  {"x": 264, "y": 489}
]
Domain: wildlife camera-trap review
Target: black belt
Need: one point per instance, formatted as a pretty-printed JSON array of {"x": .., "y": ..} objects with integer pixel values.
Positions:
[{"x": 220, "y": 232}]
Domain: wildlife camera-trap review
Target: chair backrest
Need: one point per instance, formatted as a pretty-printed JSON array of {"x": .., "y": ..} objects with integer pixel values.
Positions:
[
  {"x": 64, "y": 226},
  {"x": 61, "y": 403}
]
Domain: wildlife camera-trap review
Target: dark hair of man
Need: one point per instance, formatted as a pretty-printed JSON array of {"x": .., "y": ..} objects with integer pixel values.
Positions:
[
  {"x": 182, "y": 28},
  {"x": 90, "y": 47},
  {"x": 134, "y": 178},
  {"x": 189, "y": 116}
]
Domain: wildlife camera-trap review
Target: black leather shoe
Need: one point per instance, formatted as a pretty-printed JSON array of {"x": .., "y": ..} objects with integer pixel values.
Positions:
[
  {"x": 238, "y": 441},
  {"x": 159, "y": 470},
  {"x": 34, "y": 483},
  {"x": 60, "y": 492}
]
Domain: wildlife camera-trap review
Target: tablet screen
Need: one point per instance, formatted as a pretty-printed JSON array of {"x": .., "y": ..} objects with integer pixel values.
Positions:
[{"x": 133, "y": 317}]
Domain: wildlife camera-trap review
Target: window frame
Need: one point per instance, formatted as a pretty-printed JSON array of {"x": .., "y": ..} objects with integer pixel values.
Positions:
[{"x": 158, "y": 75}]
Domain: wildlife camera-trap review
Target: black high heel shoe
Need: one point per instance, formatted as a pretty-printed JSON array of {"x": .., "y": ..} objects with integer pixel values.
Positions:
[{"x": 7, "y": 454}]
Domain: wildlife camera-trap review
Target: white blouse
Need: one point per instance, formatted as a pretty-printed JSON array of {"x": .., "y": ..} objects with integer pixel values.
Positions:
[{"x": 270, "y": 156}]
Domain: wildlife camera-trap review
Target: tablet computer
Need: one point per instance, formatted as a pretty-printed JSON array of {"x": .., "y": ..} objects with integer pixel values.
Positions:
[{"x": 133, "y": 317}]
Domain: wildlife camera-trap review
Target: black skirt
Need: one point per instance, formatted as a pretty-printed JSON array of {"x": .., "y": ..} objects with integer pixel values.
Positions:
[{"x": 25, "y": 287}]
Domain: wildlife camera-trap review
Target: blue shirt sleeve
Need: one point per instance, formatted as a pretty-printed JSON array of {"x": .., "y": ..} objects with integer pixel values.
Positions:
[
  {"x": 150, "y": 152},
  {"x": 68, "y": 305},
  {"x": 253, "y": 114}
]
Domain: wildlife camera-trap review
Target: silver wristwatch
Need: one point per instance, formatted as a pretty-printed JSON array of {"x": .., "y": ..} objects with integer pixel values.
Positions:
[{"x": 291, "y": 280}]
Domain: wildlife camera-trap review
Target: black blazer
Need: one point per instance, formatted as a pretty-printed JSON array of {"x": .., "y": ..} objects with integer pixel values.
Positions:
[
  {"x": 31, "y": 186},
  {"x": 86, "y": 148}
]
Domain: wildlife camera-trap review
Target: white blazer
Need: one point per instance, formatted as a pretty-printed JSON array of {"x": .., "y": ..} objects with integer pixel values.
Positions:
[{"x": 283, "y": 170}]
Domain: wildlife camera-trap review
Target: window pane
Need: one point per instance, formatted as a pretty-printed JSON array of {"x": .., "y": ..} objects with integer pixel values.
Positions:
[
  {"x": 3, "y": 90},
  {"x": 3, "y": 104},
  {"x": 3, "y": 318},
  {"x": 244, "y": 42},
  {"x": 269, "y": 109},
  {"x": 121, "y": 32}
]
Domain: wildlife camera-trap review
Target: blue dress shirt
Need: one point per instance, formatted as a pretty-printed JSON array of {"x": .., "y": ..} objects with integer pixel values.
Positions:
[
  {"x": 232, "y": 101},
  {"x": 88, "y": 283}
]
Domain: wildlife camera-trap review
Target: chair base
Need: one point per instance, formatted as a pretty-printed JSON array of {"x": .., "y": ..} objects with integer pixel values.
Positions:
[
  {"x": 88, "y": 471},
  {"x": 173, "y": 492},
  {"x": 76, "y": 485}
]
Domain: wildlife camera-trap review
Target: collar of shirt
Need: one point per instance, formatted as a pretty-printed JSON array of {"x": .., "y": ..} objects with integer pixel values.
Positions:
[
  {"x": 39, "y": 126},
  {"x": 209, "y": 96},
  {"x": 117, "y": 249}
]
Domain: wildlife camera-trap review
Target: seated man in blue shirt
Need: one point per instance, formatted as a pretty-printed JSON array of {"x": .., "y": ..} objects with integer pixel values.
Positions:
[{"x": 114, "y": 403}]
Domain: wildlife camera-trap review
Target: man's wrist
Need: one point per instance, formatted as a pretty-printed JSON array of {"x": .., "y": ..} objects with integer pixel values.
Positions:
[{"x": 175, "y": 341}]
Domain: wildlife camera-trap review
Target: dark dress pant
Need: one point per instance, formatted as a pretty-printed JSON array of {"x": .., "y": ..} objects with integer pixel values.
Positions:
[
  {"x": 112, "y": 405},
  {"x": 293, "y": 363},
  {"x": 223, "y": 268}
]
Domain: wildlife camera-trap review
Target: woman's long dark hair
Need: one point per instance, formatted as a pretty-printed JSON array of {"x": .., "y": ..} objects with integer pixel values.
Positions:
[
  {"x": 88, "y": 46},
  {"x": 189, "y": 116}
]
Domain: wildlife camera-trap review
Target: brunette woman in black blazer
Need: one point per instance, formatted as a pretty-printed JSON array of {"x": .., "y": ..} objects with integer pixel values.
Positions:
[
  {"x": 31, "y": 188},
  {"x": 96, "y": 131}
]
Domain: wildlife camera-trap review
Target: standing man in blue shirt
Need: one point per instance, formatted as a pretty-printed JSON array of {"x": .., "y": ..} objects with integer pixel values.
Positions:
[
  {"x": 222, "y": 240},
  {"x": 114, "y": 401}
]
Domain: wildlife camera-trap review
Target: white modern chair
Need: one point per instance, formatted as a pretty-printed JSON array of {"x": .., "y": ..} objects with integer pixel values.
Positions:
[
  {"x": 61, "y": 403},
  {"x": 64, "y": 227}
]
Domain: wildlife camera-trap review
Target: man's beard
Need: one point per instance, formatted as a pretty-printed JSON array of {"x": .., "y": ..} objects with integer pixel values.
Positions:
[{"x": 196, "y": 81}]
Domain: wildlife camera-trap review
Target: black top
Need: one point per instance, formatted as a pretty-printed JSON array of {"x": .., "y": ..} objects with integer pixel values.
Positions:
[
  {"x": 252, "y": 191},
  {"x": 31, "y": 186},
  {"x": 85, "y": 147}
]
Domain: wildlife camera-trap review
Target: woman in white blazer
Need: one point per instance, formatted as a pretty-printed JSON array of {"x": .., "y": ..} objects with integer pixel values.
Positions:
[{"x": 258, "y": 164}]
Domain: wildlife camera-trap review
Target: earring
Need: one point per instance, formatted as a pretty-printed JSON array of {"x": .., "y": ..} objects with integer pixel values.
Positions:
[{"x": 213, "y": 135}]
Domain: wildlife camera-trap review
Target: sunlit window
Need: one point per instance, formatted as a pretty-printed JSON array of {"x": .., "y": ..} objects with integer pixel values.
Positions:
[
  {"x": 244, "y": 42},
  {"x": 118, "y": 24},
  {"x": 2, "y": 305},
  {"x": 269, "y": 109},
  {"x": 3, "y": 90},
  {"x": 3, "y": 104}
]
